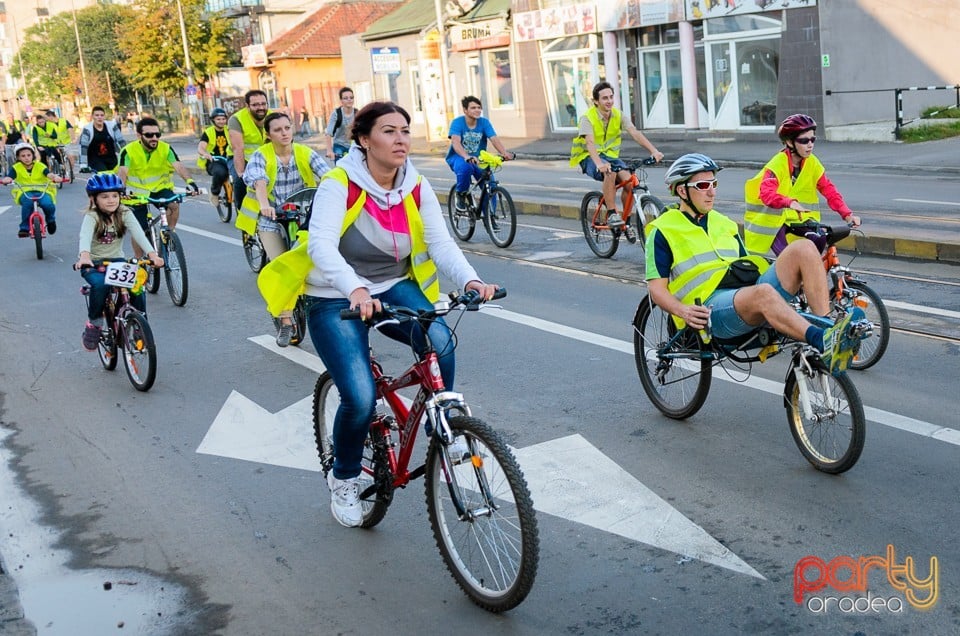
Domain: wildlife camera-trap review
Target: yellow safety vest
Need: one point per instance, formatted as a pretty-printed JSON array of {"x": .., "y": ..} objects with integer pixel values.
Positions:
[
  {"x": 210, "y": 136},
  {"x": 609, "y": 146},
  {"x": 761, "y": 223},
  {"x": 283, "y": 279},
  {"x": 33, "y": 178},
  {"x": 250, "y": 207},
  {"x": 146, "y": 175},
  {"x": 253, "y": 137},
  {"x": 63, "y": 133},
  {"x": 700, "y": 259},
  {"x": 48, "y": 135}
]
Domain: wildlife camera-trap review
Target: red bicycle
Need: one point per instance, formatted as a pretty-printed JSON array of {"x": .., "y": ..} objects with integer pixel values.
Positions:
[
  {"x": 478, "y": 502},
  {"x": 37, "y": 221}
]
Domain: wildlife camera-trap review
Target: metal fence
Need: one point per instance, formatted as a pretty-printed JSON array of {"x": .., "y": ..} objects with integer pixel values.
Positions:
[{"x": 898, "y": 99}]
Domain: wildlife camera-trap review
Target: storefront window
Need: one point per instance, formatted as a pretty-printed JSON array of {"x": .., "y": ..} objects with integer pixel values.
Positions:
[
  {"x": 757, "y": 64},
  {"x": 740, "y": 23},
  {"x": 570, "y": 74},
  {"x": 721, "y": 74},
  {"x": 501, "y": 80}
]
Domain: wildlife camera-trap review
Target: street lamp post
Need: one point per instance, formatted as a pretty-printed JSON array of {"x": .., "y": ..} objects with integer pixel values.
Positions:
[
  {"x": 192, "y": 91},
  {"x": 83, "y": 70}
]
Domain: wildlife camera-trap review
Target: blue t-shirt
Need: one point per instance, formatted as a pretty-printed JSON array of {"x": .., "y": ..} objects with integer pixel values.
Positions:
[{"x": 473, "y": 139}]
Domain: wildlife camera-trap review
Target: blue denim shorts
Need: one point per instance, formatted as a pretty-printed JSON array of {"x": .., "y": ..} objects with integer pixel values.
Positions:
[
  {"x": 725, "y": 322},
  {"x": 590, "y": 169}
]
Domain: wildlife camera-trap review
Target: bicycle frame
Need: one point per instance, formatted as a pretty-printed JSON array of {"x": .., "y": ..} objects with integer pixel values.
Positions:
[{"x": 633, "y": 183}]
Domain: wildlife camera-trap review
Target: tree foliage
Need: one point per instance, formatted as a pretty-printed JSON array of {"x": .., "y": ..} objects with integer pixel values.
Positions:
[
  {"x": 51, "y": 59},
  {"x": 153, "y": 46}
]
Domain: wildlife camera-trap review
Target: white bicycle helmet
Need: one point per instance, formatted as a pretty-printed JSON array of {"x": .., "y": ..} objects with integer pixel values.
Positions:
[
  {"x": 685, "y": 167},
  {"x": 21, "y": 146}
]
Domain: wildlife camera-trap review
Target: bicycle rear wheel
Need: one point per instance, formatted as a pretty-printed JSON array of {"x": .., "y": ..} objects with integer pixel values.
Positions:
[
  {"x": 501, "y": 217},
  {"x": 175, "y": 270},
  {"x": 462, "y": 223},
  {"x": 376, "y": 476},
  {"x": 832, "y": 439},
  {"x": 253, "y": 251},
  {"x": 872, "y": 348},
  {"x": 483, "y": 518},
  {"x": 107, "y": 348},
  {"x": 601, "y": 239},
  {"x": 676, "y": 379},
  {"x": 36, "y": 226},
  {"x": 139, "y": 351}
]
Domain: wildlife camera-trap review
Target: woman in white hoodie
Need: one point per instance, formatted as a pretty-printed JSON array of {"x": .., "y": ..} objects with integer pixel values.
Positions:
[{"x": 377, "y": 233}]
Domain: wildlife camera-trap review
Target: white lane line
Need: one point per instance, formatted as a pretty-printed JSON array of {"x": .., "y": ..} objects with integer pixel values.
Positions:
[
  {"x": 879, "y": 416},
  {"x": 896, "y": 304},
  {"x": 212, "y": 235},
  {"x": 928, "y": 201},
  {"x": 5, "y": 208}
]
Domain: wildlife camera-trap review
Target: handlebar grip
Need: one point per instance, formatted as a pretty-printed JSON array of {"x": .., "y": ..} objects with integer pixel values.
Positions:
[
  {"x": 500, "y": 293},
  {"x": 649, "y": 161},
  {"x": 349, "y": 314}
]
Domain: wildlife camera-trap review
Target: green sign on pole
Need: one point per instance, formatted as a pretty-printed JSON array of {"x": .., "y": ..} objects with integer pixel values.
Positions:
[{"x": 825, "y": 60}]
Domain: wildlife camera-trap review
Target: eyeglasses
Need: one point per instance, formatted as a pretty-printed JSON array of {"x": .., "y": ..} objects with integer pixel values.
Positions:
[
  {"x": 704, "y": 185},
  {"x": 804, "y": 141},
  {"x": 146, "y": 135},
  {"x": 258, "y": 105}
]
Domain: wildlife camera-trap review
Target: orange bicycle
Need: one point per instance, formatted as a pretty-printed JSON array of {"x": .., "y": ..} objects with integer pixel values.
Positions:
[{"x": 640, "y": 205}]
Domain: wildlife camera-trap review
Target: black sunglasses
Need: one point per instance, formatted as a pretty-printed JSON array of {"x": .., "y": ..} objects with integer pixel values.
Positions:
[
  {"x": 803, "y": 141},
  {"x": 155, "y": 135}
]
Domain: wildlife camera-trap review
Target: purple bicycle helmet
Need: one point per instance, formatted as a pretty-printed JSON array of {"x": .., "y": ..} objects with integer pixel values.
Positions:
[{"x": 795, "y": 125}]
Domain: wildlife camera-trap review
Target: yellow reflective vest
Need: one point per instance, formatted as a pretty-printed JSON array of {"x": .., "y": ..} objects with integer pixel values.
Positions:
[
  {"x": 35, "y": 177},
  {"x": 63, "y": 132},
  {"x": 250, "y": 207},
  {"x": 46, "y": 134},
  {"x": 210, "y": 136},
  {"x": 148, "y": 174},
  {"x": 700, "y": 259},
  {"x": 761, "y": 223},
  {"x": 606, "y": 145},
  {"x": 253, "y": 137}
]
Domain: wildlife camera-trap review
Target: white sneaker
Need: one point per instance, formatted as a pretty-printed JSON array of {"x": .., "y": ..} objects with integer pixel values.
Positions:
[
  {"x": 459, "y": 450},
  {"x": 345, "y": 500}
]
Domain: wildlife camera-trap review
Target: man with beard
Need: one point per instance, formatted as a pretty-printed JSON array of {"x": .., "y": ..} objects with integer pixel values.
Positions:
[
  {"x": 145, "y": 169},
  {"x": 100, "y": 142},
  {"x": 245, "y": 128}
]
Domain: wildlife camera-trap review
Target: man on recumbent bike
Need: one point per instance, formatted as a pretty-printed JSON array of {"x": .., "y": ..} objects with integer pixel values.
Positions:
[{"x": 699, "y": 271}]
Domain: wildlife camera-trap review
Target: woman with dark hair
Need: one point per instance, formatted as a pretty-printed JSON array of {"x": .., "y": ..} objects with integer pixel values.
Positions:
[
  {"x": 378, "y": 234},
  {"x": 276, "y": 170}
]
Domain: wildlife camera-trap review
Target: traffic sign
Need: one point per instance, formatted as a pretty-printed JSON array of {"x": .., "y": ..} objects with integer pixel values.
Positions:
[
  {"x": 386, "y": 60},
  {"x": 191, "y": 90}
]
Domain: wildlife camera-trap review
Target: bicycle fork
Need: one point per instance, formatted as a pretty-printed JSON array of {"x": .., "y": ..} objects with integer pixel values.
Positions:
[{"x": 804, "y": 372}]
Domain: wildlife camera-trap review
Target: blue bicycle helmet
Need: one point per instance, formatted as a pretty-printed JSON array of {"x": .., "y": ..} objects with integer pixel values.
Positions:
[
  {"x": 104, "y": 182},
  {"x": 217, "y": 112}
]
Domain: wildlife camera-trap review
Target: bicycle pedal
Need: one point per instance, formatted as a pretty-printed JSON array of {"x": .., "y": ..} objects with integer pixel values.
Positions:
[{"x": 630, "y": 234}]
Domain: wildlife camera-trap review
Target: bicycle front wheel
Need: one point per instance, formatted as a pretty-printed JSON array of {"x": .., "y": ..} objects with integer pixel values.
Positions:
[
  {"x": 175, "y": 270},
  {"x": 375, "y": 476},
  {"x": 501, "y": 217},
  {"x": 462, "y": 222},
  {"x": 224, "y": 207},
  {"x": 832, "y": 438},
  {"x": 253, "y": 251},
  {"x": 872, "y": 348},
  {"x": 601, "y": 239},
  {"x": 676, "y": 378},
  {"x": 483, "y": 518},
  {"x": 649, "y": 209},
  {"x": 139, "y": 351},
  {"x": 36, "y": 227},
  {"x": 153, "y": 273}
]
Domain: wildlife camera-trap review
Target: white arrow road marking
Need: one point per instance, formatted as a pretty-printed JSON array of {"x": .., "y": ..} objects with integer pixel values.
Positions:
[
  {"x": 541, "y": 256},
  {"x": 571, "y": 479},
  {"x": 568, "y": 477},
  {"x": 4, "y": 208}
]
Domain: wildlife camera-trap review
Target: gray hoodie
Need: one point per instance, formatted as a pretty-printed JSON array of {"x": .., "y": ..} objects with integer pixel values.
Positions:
[{"x": 375, "y": 251}]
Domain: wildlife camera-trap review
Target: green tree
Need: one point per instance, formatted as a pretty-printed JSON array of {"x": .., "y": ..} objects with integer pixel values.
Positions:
[
  {"x": 153, "y": 47},
  {"x": 51, "y": 59}
]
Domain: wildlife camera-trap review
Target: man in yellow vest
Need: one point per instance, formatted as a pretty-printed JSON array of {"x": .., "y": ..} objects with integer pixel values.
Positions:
[
  {"x": 65, "y": 137},
  {"x": 699, "y": 271},
  {"x": 785, "y": 190},
  {"x": 596, "y": 148},
  {"x": 245, "y": 128},
  {"x": 145, "y": 167},
  {"x": 43, "y": 136}
]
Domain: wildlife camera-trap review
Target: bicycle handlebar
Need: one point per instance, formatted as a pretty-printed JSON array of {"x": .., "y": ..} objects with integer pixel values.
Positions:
[
  {"x": 832, "y": 234},
  {"x": 177, "y": 197},
  {"x": 29, "y": 193},
  {"x": 470, "y": 301},
  {"x": 101, "y": 262}
]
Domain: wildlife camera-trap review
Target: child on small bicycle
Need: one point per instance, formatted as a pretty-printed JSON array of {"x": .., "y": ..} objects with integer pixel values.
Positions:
[
  {"x": 101, "y": 237},
  {"x": 785, "y": 191},
  {"x": 34, "y": 177}
]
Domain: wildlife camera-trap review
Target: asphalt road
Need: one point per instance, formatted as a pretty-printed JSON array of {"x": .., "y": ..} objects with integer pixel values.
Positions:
[{"x": 647, "y": 525}]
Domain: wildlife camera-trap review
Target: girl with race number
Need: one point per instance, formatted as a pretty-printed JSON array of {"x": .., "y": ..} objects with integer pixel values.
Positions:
[{"x": 101, "y": 238}]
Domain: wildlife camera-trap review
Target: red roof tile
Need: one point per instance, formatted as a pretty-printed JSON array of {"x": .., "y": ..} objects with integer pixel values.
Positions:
[{"x": 319, "y": 34}]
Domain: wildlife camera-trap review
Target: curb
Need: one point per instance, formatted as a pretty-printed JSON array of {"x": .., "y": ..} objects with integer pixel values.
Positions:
[{"x": 12, "y": 620}]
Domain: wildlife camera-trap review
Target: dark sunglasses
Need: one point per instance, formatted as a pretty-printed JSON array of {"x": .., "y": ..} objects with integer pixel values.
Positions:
[
  {"x": 804, "y": 141},
  {"x": 704, "y": 185},
  {"x": 155, "y": 135}
]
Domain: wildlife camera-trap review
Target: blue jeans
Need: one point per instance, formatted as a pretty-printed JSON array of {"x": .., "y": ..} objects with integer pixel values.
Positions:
[
  {"x": 97, "y": 297},
  {"x": 26, "y": 209},
  {"x": 725, "y": 322},
  {"x": 464, "y": 171},
  {"x": 590, "y": 169},
  {"x": 344, "y": 348}
]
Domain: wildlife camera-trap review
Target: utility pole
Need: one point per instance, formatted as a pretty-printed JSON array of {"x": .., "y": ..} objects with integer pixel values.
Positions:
[
  {"x": 192, "y": 91},
  {"x": 23, "y": 76},
  {"x": 83, "y": 70},
  {"x": 443, "y": 60}
]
